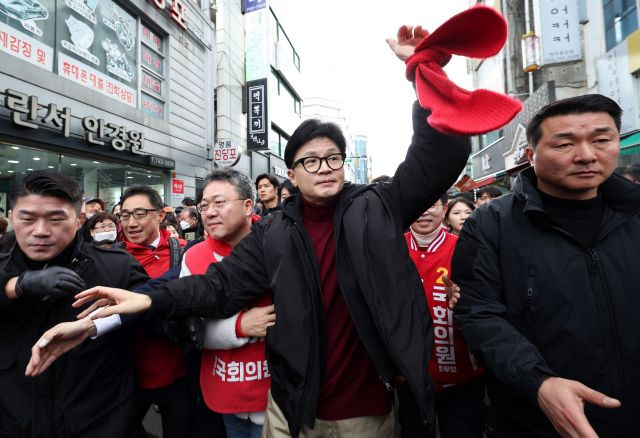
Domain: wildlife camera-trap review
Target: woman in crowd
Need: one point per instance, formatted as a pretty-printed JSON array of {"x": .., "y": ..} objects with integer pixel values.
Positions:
[
  {"x": 458, "y": 211},
  {"x": 285, "y": 190},
  {"x": 172, "y": 226},
  {"x": 103, "y": 228}
]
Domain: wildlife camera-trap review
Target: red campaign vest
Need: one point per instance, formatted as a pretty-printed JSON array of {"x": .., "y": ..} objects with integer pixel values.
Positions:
[
  {"x": 158, "y": 362},
  {"x": 451, "y": 362},
  {"x": 237, "y": 380}
]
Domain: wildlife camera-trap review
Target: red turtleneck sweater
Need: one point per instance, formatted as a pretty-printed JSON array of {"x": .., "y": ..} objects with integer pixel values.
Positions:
[{"x": 351, "y": 386}]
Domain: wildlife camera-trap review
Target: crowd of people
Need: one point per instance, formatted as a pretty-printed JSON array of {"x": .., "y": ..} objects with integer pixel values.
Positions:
[{"x": 318, "y": 308}]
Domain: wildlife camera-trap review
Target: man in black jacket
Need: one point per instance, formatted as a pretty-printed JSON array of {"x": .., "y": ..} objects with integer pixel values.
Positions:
[
  {"x": 351, "y": 311},
  {"x": 88, "y": 392},
  {"x": 549, "y": 280}
]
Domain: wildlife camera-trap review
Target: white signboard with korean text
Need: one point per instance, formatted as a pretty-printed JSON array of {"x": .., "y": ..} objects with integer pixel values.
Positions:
[
  {"x": 615, "y": 82},
  {"x": 27, "y": 29},
  {"x": 558, "y": 25},
  {"x": 82, "y": 74}
]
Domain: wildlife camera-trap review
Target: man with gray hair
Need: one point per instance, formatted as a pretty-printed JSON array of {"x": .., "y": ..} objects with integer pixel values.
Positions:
[{"x": 227, "y": 214}]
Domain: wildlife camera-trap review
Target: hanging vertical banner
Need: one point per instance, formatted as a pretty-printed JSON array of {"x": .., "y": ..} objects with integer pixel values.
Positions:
[
  {"x": 257, "y": 115},
  {"x": 256, "y": 43},
  {"x": 558, "y": 24}
]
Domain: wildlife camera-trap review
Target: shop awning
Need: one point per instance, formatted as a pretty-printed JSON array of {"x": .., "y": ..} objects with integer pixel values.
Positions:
[{"x": 630, "y": 144}]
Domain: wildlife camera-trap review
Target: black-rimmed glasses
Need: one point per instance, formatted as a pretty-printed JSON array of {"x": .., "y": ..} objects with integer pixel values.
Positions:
[
  {"x": 313, "y": 164},
  {"x": 137, "y": 213}
]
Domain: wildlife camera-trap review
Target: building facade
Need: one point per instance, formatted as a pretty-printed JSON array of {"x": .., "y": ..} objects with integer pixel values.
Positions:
[
  {"x": 258, "y": 103},
  {"x": 361, "y": 160},
  {"x": 112, "y": 93},
  {"x": 558, "y": 49}
]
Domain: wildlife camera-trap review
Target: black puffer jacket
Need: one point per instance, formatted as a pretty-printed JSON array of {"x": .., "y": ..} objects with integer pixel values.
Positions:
[
  {"x": 379, "y": 282},
  {"x": 87, "y": 388},
  {"x": 536, "y": 303}
]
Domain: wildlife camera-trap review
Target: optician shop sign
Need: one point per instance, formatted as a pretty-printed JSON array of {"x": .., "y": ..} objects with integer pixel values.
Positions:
[{"x": 27, "y": 112}]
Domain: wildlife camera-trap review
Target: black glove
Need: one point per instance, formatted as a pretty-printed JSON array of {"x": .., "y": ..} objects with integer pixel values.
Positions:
[{"x": 50, "y": 281}]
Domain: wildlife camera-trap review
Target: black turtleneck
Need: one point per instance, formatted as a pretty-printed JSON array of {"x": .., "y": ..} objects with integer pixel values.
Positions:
[{"x": 581, "y": 219}]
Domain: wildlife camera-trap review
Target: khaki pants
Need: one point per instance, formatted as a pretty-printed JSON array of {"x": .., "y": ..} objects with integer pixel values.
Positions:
[{"x": 275, "y": 426}]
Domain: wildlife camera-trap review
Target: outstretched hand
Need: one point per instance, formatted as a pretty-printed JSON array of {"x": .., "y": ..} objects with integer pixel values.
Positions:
[
  {"x": 119, "y": 301},
  {"x": 57, "y": 341},
  {"x": 562, "y": 401},
  {"x": 407, "y": 40}
]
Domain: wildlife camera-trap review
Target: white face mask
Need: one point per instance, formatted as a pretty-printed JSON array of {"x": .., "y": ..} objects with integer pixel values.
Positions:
[
  {"x": 185, "y": 225},
  {"x": 89, "y": 215},
  {"x": 105, "y": 235}
]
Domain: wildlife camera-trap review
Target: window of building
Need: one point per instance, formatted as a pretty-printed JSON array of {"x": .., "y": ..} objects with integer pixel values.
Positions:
[
  {"x": 620, "y": 20},
  {"x": 152, "y": 71},
  {"x": 276, "y": 33},
  {"x": 97, "y": 178}
]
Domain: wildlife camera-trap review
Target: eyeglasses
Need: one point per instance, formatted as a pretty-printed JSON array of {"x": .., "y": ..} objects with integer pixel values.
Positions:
[
  {"x": 435, "y": 208},
  {"x": 218, "y": 204},
  {"x": 138, "y": 213},
  {"x": 313, "y": 164}
]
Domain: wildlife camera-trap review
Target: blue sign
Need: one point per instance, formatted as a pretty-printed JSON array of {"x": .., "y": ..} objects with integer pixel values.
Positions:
[{"x": 254, "y": 5}]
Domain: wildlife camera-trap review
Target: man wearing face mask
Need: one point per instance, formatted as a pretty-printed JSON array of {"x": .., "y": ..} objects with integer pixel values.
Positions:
[{"x": 189, "y": 223}]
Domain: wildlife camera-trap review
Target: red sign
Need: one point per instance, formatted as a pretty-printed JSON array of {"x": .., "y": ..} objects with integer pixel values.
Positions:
[
  {"x": 176, "y": 10},
  {"x": 177, "y": 187}
]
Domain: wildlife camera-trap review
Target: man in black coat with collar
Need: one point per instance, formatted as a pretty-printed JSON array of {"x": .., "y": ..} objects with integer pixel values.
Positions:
[
  {"x": 87, "y": 393},
  {"x": 549, "y": 282}
]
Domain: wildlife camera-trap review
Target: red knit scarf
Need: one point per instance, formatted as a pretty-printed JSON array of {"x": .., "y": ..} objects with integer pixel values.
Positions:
[{"x": 478, "y": 32}]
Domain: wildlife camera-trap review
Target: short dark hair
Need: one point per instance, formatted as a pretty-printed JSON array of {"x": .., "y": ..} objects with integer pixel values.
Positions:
[
  {"x": 47, "y": 183},
  {"x": 587, "y": 103},
  {"x": 174, "y": 223},
  {"x": 152, "y": 195},
  {"x": 492, "y": 191},
  {"x": 308, "y": 130},
  {"x": 99, "y": 217},
  {"x": 272, "y": 179},
  {"x": 287, "y": 184},
  {"x": 188, "y": 202},
  {"x": 242, "y": 183},
  {"x": 3, "y": 225}
]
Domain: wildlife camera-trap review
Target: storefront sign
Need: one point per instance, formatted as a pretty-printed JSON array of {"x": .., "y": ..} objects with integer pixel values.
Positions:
[
  {"x": 91, "y": 78},
  {"x": 98, "y": 47},
  {"x": 157, "y": 161},
  {"x": 279, "y": 171},
  {"x": 257, "y": 117},
  {"x": 558, "y": 24},
  {"x": 254, "y": 5},
  {"x": 25, "y": 112},
  {"x": 177, "y": 187},
  {"x": 225, "y": 153},
  {"x": 27, "y": 30},
  {"x": 256, "y": 45},
  {"x": 614, "y": 81},
  {"x": 175, "y": 9},
  {"x": 24, "y": 47}
]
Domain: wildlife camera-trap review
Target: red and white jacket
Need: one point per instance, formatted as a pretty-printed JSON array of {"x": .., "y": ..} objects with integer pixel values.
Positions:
[
  {"x": 234, "y": 380},
  {"x": 451, "y": 362}
]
